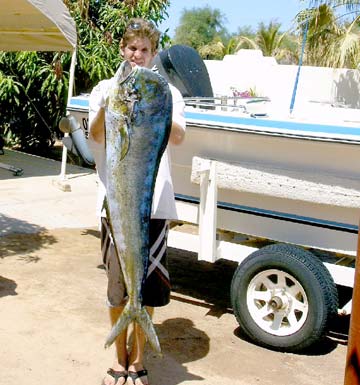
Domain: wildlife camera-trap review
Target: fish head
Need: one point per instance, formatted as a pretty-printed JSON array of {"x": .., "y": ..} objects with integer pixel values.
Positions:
[
  {"x": 121, "y": 93},
  {"x": 138, "y": 97},
  {"x": 152, "y": 89},
  {"x": 123, "y": 72},
  {"x": 121, "y": 100}
]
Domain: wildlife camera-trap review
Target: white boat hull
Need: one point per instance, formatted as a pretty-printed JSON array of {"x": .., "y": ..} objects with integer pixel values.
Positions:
[
  {"x": 312, "y": 154},
  {"x": 315, "y": 151}
]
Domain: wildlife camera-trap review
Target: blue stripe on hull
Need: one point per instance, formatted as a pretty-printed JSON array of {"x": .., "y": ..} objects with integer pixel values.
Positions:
[
  {"x": 79, "y": 102},
  {"x": 255, "y": 124},
  {"x": 274, "y": 124}
]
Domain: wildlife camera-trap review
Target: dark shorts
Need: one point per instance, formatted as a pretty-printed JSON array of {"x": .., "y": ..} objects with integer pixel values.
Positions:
[{"x": 156, "y": 290}]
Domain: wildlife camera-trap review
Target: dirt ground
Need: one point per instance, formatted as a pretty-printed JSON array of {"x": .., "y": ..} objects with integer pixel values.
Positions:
[
  {"x": 54, "y": 321},
  {"x": 53, "y": 318}
]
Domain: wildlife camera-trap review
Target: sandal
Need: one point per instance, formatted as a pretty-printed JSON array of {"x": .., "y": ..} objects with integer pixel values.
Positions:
[
  {"x": 116, "y": 375},
  {"x": 135, "y": 375}
]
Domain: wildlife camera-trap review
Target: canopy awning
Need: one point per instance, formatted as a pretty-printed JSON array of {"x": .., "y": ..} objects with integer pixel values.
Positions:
[{"x": 36, "y": 25}]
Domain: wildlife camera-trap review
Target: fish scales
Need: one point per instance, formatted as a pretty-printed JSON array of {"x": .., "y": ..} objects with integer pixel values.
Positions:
[{"x": 137, "y": 129}]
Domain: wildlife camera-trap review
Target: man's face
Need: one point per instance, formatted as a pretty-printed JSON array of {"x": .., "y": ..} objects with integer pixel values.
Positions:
[{"x": 138, "y": 52}]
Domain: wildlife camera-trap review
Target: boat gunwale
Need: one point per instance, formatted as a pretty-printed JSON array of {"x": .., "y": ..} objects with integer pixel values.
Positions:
[{"x": 253, "y": 125}]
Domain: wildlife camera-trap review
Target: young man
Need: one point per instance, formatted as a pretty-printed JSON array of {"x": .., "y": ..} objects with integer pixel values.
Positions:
[{"x": 139, "y": 46}]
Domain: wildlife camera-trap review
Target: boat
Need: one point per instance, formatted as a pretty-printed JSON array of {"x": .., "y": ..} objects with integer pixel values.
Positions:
[{"x": 313, "y": 166}]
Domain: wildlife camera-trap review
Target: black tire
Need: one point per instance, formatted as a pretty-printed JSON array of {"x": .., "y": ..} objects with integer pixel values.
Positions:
[{"x": 276, "y": 322}]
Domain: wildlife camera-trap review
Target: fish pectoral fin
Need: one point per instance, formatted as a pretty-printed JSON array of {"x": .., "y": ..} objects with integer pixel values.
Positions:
[{"x": 125, "y": 139}]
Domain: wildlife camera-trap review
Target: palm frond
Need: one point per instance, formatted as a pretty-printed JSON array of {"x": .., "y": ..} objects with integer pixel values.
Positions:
[
  {"x": 349, "y": 4},
  {"x": 345, "y": 47}
]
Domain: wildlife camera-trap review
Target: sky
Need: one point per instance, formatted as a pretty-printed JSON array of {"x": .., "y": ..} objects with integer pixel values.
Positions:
[{"x": 239, "y": 13}]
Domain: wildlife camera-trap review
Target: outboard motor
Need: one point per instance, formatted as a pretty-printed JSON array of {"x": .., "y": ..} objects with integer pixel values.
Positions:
[
  {"x": 183, "y": 67},
  {"x": 76, "y": 142}
]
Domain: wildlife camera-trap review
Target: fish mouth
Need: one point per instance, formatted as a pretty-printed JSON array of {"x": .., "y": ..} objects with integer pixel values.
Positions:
[{"x": 126, "y": 70}]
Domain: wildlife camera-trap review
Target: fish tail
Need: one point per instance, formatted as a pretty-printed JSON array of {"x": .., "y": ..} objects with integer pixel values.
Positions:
[
  {"x": 141, "y": 316},
  {"x": 147, "y": 326},
  {"x": 121, "y": 324}
]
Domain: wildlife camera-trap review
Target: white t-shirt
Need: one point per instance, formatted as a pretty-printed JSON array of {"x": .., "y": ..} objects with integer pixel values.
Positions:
[{"x": 163, "y": 205}]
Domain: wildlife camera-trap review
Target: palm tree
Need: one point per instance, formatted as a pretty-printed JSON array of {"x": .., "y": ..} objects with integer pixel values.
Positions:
[
  {"x": 349, "y": 4},
  {"x": 322, "y": 28},
  {"x": 345, "y": 48},
  {"x": 329, "y": 43},
  {"x": 270, "y": 41},
  {"x": 33, "y": 85}
]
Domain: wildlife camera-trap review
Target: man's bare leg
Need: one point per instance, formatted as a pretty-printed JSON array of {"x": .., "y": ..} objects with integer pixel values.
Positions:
[
  {"x": 136, "y": 358},
  {"x": 121, "y": 356}
]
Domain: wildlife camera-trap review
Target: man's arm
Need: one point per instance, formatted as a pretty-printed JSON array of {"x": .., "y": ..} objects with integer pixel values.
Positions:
[
  {"x": 97, "y": 126},
  {"x": 177, "y": 134},
  {"x": 97, "y": 102}
]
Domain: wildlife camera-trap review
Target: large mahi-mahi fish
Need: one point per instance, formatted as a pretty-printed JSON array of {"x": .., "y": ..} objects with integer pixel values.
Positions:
[{"x": 137, "y": 128}]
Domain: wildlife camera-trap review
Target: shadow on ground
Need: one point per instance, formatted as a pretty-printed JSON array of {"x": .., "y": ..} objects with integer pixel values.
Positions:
[
  {"x": 21, "y": 238},
  {"x": 321, "y": 348},
  {"x": 10, "y": 225},
  {"x": 207, "y": 282},
  {"x": 92, "y": 232},
  {"x": 208, "y": 285},
  {"x": 181, "y": 343},
  {"x": 7, "y": 287}
]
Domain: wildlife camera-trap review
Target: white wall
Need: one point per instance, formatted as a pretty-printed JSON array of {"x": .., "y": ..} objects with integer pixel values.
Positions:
[{"x": 250, "y": 69}]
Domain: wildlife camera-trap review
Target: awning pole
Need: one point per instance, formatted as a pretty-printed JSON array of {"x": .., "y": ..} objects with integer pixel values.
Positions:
[
  {"x": 352, "y": 371},
  {"x": 70, "y": 94}
]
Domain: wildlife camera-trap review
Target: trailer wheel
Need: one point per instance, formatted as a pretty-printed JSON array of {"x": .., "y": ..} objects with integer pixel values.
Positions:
[{"x": 283, "y": 297}]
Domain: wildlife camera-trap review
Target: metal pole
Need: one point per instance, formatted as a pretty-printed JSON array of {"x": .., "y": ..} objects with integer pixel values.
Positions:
[
  {"x": 60, "y": 182},
  {"x": 70, "y": 92},
  {"x": 352, "y": 368}
]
